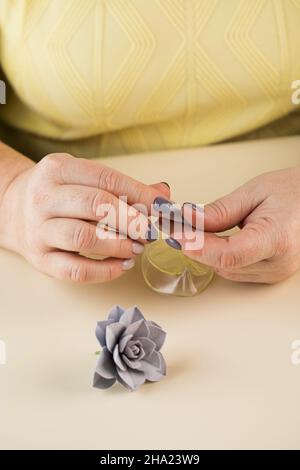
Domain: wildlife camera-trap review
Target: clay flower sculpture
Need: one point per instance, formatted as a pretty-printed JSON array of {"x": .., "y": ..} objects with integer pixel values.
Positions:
[{"x": 130, "y": 350}]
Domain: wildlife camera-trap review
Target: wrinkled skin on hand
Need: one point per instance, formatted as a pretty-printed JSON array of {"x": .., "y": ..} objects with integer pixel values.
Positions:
[{"x": 266, "y": 248}]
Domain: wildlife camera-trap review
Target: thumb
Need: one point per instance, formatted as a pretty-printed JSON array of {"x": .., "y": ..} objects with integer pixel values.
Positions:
[
  {"x": 243, "y": 248},
  {"x": 230, "y": 210}
]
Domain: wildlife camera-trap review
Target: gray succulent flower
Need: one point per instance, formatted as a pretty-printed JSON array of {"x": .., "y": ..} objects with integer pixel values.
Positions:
[{"x": 130, "y": 350}]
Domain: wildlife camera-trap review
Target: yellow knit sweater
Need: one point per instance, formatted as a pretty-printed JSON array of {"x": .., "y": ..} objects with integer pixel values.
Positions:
[{"x": 103, "y": 77}]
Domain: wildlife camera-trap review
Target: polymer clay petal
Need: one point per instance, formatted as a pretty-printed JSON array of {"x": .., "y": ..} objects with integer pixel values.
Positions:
[
  {"x": 132, "y": 363},
  {"x": 123, "y": 342},
  {"x": 101, "y": 331},
  {"x": 101, "y": 382},
  {"x": 157, "y": 334},
  {"x": 129, "y": 350},
  {"x": 117, "y": 359},
  {"x": 151, "y": 372},
  {"x": 148, "y": 345},
  {"x": 113, "y": 333},
  {"x": 131, "y": 315},
  {"x": 137, "y": 329},
  {"x": 131, "y": 378},
  {"x": 116, "y": 313},
  {"x": 105, "y": 364}
]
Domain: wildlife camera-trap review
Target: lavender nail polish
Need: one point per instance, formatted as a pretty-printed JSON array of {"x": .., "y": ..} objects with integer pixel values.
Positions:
[
  {"x": 167, "y": 209},
  {"x": 161, "y": 204},
  {"x": 173, "y": 243},
  {"x": 152, "y": 233}
]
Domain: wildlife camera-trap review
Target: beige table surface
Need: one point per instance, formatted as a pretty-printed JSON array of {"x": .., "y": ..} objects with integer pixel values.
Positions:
[{"x": 230, "y": 382}]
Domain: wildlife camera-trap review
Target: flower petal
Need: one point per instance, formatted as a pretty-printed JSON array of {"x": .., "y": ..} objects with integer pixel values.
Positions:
[
  {"x": 132, "y": 363},
  {"x": 101, "y": 382},
  {"x": 157, "y": 334},
  {"x": 154, "y": 359},
  {"x": 113, "y": 333},
  {"x": 105, "y": 364},
  {"x": 137, "y": 329},
  {"x": 116, "y": 313},
  {"x": 123, "y": 342},
  {"x": 151, "y": 373},
  {"x": 154, "y": 367},
  {"x": 131, "y": 315},
  {"x": 163, "y": 367},
  {"x": 101, "y": 331},
  {"x": 131, "y": 379},
  {"x": 117, "y": 359},
  {"x": 148, "y": 345}
]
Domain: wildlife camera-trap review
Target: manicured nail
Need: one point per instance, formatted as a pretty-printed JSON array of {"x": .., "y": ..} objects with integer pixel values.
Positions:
[
  {"x": 167, "y": 184},
  {"x": 152, "y": 233},
  {"x": 161, "y": 204},
  {"x": 193, "y": 206},
  {"x": 128, "y": 264},
  {"x": 137, "y": 248},
  {"x": 173, "y": 243},
  {"x": 168, "y": 209}
]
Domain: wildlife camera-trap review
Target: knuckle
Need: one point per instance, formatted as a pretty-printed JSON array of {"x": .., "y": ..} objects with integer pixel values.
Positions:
[
  {"x": 107, "y": 273},
  {"x": 77, "y": 273},
  {"x": 141, "y": 194},
  {"x": 83, "y": 237},
  {"x": 219, "y": 209},
  {"x": 93, "y": 202},
  {"x": 39, "y": 197},
  {"x": 109, "y": 179},
  {"x": 229, "y": 260},
  {"x": 52, "y": 161}
]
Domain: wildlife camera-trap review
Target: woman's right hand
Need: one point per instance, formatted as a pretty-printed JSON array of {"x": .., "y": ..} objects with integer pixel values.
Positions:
[{"x": 49, "y": 214}]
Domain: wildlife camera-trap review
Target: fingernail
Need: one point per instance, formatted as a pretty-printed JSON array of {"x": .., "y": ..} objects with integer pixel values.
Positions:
[
  {"x": 161, "y": 204},
  {"x": 152, "y": 233},
  {"x": 193, "y": 206},
  {"x": 128, "y": 264},
  {"x": 167, "y": 184},
  {"x": 173, "y": 243},
  {"x": 167, "y": 209},
  {"x": 137, "y": 248}
]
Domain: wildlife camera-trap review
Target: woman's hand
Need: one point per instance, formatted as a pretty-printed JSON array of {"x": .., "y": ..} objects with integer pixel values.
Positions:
[
  {"x": 49, "y": 213},
  {"x": 267, "y": 248}
]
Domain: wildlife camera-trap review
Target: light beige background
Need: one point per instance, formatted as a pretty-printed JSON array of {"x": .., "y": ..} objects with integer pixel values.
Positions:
[{"x": 230, "y": 381}]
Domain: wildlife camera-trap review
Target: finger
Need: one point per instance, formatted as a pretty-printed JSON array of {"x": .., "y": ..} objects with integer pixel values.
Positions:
[
  {"x": 230, "y": 210},
  {"x": 257, "y": 275},
  {"x": 76, "y": 268},
  {"x": 266, "y": 271},
  {"x": 250, "y": 277},
  {"x": 245, "y": 247},
  {"x": 70, "y": 170},
  {"x": 83, "y": 202},
  {"x": 163, "y": 187},
  {"x": 83, "y": 237}
]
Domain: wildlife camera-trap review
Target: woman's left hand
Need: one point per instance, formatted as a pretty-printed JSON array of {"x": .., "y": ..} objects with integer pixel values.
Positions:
[{"x": 266, "y": 249}]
